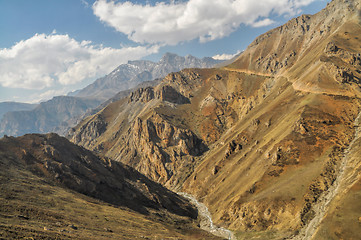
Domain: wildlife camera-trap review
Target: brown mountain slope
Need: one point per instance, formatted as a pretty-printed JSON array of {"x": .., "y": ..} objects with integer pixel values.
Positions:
[
  {"x": 258, "y": 141},
  {"x": 37, "y": 172},
  {"x": 279, "y": 49},
  {"x": 162, "y": 131}
]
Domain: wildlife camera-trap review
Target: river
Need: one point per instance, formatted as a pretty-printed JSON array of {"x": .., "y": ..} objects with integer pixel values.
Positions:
[{"x": 205, "y": 218}]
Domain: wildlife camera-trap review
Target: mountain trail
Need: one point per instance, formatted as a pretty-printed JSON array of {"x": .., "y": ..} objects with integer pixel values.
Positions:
[
  {"x": 250, "y": 72},
  {"x": 205, "y": 217},
  {"x": 321, "y": 207}
]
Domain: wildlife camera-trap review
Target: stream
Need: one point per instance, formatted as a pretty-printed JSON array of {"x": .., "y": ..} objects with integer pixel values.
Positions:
[{"x": 205, "y": 218}]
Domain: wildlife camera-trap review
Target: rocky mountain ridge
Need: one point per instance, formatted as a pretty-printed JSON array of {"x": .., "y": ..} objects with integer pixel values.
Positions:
[
  {"x": 259, "y": 141},
  {"x": 127, "y": 76}
]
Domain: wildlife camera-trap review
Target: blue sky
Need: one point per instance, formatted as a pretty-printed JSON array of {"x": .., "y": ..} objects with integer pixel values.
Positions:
[{"x": 52, "y": 47}]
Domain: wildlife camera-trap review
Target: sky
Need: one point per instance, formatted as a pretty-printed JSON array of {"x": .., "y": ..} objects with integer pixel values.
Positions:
[{"x": 52, "y": 47}]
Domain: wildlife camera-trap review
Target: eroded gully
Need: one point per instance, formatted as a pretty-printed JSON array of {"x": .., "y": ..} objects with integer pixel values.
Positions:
[{"x": 321, "y": 207}]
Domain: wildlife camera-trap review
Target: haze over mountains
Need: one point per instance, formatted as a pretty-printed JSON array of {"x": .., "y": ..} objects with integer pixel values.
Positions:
[
  {"x": 54, "y": 115},
  {"x": 14, "y": 106},
  {"x": 269, "y": 143},
  {"x": 60, "y": 113}
]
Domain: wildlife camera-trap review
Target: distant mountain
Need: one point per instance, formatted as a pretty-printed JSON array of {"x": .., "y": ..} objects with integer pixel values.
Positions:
[
  {"x": 15, "y": 106},
  {"x": 49, "y": 116},
  {"x": 129, "y": 75}
]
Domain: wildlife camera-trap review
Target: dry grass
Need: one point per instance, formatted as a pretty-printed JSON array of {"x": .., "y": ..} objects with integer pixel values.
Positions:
[{"x": 33, "y": 207}]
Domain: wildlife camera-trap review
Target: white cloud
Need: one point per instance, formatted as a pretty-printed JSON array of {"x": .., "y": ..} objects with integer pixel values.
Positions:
[
  {"x": 263, "y": 23},
  {"x": 225, "y": 56},
  {"x": 45, "y": 60},
  {"x": 205, "y": 20}
]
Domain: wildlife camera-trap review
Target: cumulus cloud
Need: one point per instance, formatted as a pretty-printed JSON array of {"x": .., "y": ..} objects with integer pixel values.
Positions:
[
  {"x": 225, "y": 56},
  {"x": 206, "y": 20},
  {"x": 44, "y": 60}
]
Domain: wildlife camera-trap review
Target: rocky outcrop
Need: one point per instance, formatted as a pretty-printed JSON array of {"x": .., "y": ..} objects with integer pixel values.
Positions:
[
  {"x": 142, "y": 95},
  {"x": 160, "y": 150},
  {"x": 91, "y": 130},
  {"x": 169, "y": 94},
  {"x": 346, "y": 69},
  {"x": 164, "y": 93},
  {"x": 279, "y": 49}
]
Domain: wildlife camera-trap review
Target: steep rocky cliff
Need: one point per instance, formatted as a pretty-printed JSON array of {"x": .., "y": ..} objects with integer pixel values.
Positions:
[{"x": 260, "y": 141}]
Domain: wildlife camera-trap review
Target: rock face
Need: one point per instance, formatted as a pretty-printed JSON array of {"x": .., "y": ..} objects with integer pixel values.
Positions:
[
  {"x": 142, "y": 95},
  {"x": 259, "y": 141},
  {"x": 127, "y": 76},
  {"x": 169, "y": 94}
]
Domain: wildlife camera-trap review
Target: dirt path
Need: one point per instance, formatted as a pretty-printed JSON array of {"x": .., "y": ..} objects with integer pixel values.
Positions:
[
  {"x": 247, "y": 72},
  {"x": 206, "y": 222},
  {"x": 321, "y": 207}
]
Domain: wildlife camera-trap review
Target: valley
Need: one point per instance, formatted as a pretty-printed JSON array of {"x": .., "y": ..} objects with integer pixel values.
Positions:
[
  {"x": 266, "y": 147},
  {"x": 50, "y": 193},
  {"x": 258, "y": 141}
]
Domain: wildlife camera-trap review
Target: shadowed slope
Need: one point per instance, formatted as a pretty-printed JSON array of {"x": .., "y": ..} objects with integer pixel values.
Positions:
[{"x": 36, "y": 173}]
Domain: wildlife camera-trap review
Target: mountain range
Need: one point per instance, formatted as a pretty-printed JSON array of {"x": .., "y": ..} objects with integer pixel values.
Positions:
[
  {"x": 129, "y": 75},
  {"x": 266, "y": 147},
  {"x": 61, "y": 113}
]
